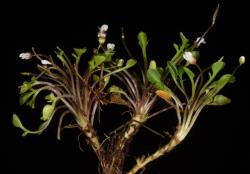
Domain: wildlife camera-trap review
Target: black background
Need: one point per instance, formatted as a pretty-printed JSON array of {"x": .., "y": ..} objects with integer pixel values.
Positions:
[{"x": 218, "y": 141}]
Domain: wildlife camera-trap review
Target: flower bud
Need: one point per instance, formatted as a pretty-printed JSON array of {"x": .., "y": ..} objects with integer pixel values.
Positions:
[
  {"x": 242, "y": 60},
  {"x": 45, "y": 62},
  {"x": 120, "y": 62}
]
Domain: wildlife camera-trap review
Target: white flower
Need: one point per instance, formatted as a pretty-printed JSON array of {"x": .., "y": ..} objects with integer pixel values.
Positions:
[
  {"x": 45, "y": 62},
  {"x": 199, "y": 41},
  {"x": 25, "y": 56},
  {"x": 242, "y": 60},
  {"x": 188, "y": 56},
  {"x": 110, "y": 46},
  {"x": 104, "y": 28},
  {"x": 102, "y": 33}
]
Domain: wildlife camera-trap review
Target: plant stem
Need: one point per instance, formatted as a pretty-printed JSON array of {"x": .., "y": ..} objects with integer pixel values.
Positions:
[
  {"x": 142, "y": 161},
  {"x": 132, "y": 129}
]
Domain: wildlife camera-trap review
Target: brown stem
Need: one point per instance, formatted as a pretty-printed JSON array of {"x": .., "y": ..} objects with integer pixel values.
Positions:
[
  {"x": 132, "y": 129},
  {"x": 89, "y": 132},
  {"x": 143, "y": 161},
  {"x": 92, "y": 137}
]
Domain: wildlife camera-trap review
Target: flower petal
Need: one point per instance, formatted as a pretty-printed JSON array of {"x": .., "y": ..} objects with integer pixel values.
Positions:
[
  {"x": 110, "y": 46},
  {"x": 25, "y": 56},
  {"x": 45, "y": 62},
  {"x": 104, "y": 28},
  {"x": 199, "y": 41},
  {"x": 188, "y": 56}
]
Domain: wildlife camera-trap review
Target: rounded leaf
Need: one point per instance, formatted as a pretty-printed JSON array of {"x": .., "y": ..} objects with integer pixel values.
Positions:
[
  {"x": 47, "y": 112},
  {"x": 220, "y": 100},
  {"x": 130, "y": 62}
]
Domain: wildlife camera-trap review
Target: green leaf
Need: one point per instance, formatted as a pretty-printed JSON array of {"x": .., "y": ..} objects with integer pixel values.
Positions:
[
  {"x": 217, "y": 67},
  {"x": 160, "y": 70},
  {"x": 47, "y": 111},
  {"x": 160, "y": 86},
  {"x": 50, "y": 98},
  {"x": 17, "y": 123},
  {"x": 130, "y": 63},
  {"x": 227, "y": 78},
  {"x": 91, "y": 65},
  {"x": 96, "y": 61},
  {"x": 79, "y": 52},
  {"x": 152, "y": 64},
  {"x": 176, "y": 47},
  {"x": 143, "y": 42},
  {"x": 191, "y": 75},
  {"x": 216, "y": 86},
  {"x": 25, "y": 87},
  {"x": 115, "y": 89},
  {"x": 96, "y": 78},
  {"x": 26, "y": 96},
  {"x": 154, "y": 76},
  {"x": 173, "y": 70},
  {"x": 60, "y": 54},
  {"x": 183, "y": 38},
  {"x": 106, "y": 80},
  {"x": 219, "y": 100},
  {"x": 31, "y": 102},
  {"x": 180, "y": 49},
  {"x": 108, "y": 55}
]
